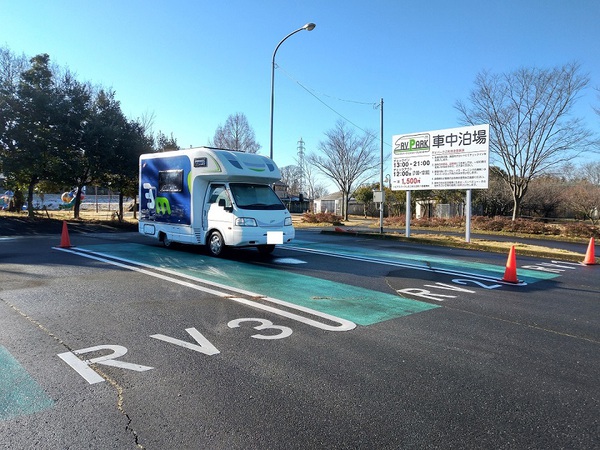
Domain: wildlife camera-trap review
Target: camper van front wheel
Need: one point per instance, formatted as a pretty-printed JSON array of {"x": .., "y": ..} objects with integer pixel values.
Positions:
[
  {"x": 215, "y": 243},
  {"x": 266, "y": 249}
]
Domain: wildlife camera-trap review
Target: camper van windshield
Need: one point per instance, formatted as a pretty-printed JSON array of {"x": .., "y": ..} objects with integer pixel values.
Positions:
[{"x": 255, "y": 196}]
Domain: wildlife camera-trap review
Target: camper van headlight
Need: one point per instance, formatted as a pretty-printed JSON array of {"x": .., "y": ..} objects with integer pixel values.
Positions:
[
  {"x": 245, "y": 222},
  {"x": 287, "y": 222}
]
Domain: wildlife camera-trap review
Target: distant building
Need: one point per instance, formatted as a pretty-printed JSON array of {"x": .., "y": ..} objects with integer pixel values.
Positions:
[
  {"x": 333, "y": 203},
  {"x": 329, "y": 203}
]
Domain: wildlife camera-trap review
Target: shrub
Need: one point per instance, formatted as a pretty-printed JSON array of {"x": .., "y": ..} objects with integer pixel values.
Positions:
[
  {"x": 439, "y": 222},
  {"x": 501, "y": 224},
  {"x": 581, "y": 229},
  {"x": 395, "y": 221},
  {"x": 532, "y": 227},
  {"x": 327, "y": 217}
]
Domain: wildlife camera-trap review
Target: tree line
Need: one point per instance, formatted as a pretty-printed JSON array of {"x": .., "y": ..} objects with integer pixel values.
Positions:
[
  {"x": 533, "y": 136},
  {"x": 572, "y": 192},
  {"x": 57, "y": 131}
]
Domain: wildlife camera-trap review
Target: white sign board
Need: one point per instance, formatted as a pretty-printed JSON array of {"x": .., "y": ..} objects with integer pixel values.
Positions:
[{"x": 455, "y": 158}]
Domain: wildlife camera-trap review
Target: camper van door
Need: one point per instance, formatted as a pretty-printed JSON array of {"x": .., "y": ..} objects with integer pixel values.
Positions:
[{"x": 218, "y": 208}]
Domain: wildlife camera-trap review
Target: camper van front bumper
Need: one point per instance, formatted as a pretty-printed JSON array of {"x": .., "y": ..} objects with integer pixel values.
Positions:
[{"x": 250, "y": 236}]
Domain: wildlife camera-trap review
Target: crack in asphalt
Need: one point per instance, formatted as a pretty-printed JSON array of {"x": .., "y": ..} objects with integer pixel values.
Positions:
[{"x": 118, "y": 388}]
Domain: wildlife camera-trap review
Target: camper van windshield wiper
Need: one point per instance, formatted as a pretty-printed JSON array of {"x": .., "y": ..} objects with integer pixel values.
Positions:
[{"x": 264, "y": 206}]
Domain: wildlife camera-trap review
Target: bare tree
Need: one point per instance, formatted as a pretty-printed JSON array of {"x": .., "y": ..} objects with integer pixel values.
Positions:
[
  {"x": 11, "y": 67},
  {"x": 544, "y": 196},
  {"x": 530, "y": 125},
  {"x": 591, "y": 172},
  {"x": 497, "y": 199},
  {"x": 236, "y": 134},
  {"x": 346, "y": 158},
  {"x": 314, "y": 188},
  {"x": 568, "y": 171},
  {"x": 584, "y": 199},
  {"x": 290, "y": 176},
  {"x": 146, "y": 121}
]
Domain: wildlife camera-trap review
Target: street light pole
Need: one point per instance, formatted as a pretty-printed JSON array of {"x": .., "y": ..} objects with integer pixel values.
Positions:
[
  {"x": 381, "y": 205},
  {"x": 308, "y": 27}
]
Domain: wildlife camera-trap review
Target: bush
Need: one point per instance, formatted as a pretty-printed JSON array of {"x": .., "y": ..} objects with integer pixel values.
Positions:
[
  {"x": 501, "y": 224},
  {"x": 580, "y": 229},
  {"x": 531, "y": 227},
  {"x": 395, "y": 221},
  {"x": 489, "y": 224},
  {"x": 326, "y": 217},
  {"x": 439, "y": 222}
]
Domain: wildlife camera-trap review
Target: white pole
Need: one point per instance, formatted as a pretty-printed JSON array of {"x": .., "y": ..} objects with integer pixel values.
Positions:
[
  {"x": 468, "y": 217},
  {"x": 407, "y": 214}
]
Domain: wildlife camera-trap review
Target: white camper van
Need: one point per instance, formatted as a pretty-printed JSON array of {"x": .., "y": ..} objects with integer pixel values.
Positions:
[{"x": 212, "y": 197}]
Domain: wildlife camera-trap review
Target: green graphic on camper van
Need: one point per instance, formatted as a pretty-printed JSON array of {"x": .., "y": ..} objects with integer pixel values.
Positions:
[{"x": 162, "y": 205}]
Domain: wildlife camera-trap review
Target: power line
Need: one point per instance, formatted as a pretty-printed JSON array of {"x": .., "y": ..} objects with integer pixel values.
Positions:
[{"x": 313, "y": 92}]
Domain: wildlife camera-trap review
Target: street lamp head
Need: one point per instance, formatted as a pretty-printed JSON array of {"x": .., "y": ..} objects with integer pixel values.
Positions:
[{"x": 309, "y": 26}]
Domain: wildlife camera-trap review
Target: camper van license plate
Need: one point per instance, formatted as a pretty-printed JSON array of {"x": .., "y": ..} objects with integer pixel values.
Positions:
[{"x": 274, "y": 237}]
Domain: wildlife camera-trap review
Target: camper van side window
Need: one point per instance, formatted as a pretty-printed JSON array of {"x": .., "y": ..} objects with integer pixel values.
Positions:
[
  {"x": 218, "y": 192},
  {"x": 170, "y": 181}
]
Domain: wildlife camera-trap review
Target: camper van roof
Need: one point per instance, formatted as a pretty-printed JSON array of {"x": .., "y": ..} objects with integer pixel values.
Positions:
[{"x": 225, "y": 164}]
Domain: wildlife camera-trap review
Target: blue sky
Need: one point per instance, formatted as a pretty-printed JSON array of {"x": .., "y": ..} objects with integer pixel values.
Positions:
[{"x": 194, "y": 63}]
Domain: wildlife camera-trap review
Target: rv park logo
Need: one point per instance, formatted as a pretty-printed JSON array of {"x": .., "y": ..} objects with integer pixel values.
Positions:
[{"x": 412, "y": 144}]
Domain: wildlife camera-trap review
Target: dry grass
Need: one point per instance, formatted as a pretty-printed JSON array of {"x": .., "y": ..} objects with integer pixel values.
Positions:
[
  {"x": 85, "y": 215},
  {"x": 353, "y": 221},
  {"x": 499, "y": 246}
]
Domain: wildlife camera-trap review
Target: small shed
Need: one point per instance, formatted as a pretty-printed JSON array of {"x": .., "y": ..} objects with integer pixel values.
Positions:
[{"x": 329, "y": 203}]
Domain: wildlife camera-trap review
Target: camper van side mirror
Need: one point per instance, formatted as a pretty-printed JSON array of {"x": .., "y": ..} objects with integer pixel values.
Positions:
[{"x": 223, "y": 205}]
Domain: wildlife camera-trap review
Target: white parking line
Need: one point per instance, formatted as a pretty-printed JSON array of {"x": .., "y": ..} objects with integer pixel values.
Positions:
[
  {"x": 342, "y": 324},
  {"x": 406, "y": 265}
]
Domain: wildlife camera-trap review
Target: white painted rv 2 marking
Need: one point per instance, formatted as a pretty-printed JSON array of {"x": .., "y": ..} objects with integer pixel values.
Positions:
[{"x": 429, "y": 295}]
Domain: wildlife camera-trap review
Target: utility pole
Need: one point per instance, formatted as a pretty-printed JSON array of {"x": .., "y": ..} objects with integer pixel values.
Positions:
[{"x": 301, "y": 164}]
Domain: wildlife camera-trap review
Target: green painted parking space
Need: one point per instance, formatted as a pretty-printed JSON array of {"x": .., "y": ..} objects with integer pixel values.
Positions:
[
  {"x": 425, "y": 262},
  {"x": 20, "y": 394},
  {"x": 361, "y": 306}
]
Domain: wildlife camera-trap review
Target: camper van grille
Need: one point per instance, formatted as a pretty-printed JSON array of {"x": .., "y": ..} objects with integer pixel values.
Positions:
[{"x": 198, "y": 234}]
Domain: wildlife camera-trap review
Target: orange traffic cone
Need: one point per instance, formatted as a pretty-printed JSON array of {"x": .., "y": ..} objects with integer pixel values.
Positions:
[
  {"x": 590, "y": 257},
  {"x": 510, "y": 274},
  {"x": 65, "y": 242}
]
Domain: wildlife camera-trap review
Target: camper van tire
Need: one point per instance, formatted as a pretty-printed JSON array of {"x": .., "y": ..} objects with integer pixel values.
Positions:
[
  {"x": 266, "y": 249},
  {"x": 166, "y": 241},
  {"x": 216, "y": 245}
]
